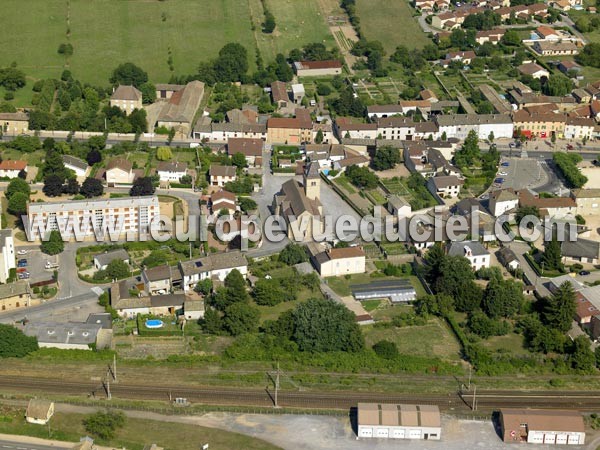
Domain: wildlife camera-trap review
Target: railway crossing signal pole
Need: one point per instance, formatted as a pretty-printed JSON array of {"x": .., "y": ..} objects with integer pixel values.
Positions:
[{"x": 277, "y": 386}]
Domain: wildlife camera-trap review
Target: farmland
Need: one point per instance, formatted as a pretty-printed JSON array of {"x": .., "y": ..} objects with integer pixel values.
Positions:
[
  {"x": 391, "y": 22},
  {"x": 105, "y": 33}
]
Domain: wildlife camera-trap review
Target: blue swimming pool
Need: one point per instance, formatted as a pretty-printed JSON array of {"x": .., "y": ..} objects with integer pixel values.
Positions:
[{"x": 154, "y": 323}]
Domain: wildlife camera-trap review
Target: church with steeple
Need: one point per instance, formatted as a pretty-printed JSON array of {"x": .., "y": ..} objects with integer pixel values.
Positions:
[{"x": 300, "y": 204}]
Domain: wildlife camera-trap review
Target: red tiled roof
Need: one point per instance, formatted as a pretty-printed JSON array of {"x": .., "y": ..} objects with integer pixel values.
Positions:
[{"x": 13, "y": 164}]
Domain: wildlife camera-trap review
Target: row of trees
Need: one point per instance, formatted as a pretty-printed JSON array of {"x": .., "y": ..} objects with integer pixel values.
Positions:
[{"x": 567, "y": 164}]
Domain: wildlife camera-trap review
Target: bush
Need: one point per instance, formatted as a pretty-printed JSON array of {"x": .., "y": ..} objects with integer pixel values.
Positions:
[
  {"x": 386, "y": 349},
  {"x": 104, "y": 424}
]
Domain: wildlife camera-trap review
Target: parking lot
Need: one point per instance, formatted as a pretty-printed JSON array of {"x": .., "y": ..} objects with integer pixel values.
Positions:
[
  {"x": 521, "y": 173},
  {"x": 36, "y": 262}
]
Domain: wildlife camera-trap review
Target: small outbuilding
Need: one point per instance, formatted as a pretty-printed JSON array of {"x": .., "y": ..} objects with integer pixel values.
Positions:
[
  {"x": 542, "y": 426},
  {"x": 398, "y": 291},
  {"x": 391, "y": 421},
  {"x": 102, "y": 260},
  {"x": 39, "y": 411}
]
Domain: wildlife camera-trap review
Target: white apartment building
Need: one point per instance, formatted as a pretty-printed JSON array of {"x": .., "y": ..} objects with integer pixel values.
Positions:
[
  {"x": 116, "y": 215},
  {"x": 7, "y": 254},
  {"x": 459, "y": 125}
]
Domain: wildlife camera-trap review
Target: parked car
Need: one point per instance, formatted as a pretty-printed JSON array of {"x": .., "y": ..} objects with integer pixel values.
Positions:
[
  {"x": 21, "y": 269},
  {"x": 22, "y": 252},
  {"x": 22, "y": 263},
  {"x": 570, "y": 147},
  {"x": 505, "y": 164},
  {"x": 23, "y": 275},
  {"x": 499, "y": 180},
  {"x": 502, "y": 173},
  {"x": 584, "y": 272}
]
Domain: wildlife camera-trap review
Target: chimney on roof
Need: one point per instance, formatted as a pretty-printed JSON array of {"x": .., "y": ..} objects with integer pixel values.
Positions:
[{"x": 468, "y": 251}]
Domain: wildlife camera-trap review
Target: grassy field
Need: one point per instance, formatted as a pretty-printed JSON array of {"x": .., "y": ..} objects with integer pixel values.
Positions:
[
  {"x": 135, "y": 433},
  {"x": 297, "y": 23},
  {"x": 391, "y": 22},
  {"x": 105, "y": 33},
  {"x": 433, "y": 339}
]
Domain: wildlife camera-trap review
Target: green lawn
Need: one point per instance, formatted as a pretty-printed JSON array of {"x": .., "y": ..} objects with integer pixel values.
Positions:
[
  {"x": 105, "y": 33},
  {"x": 391, "y": 22},
  {"x": 298, "y": 23},
  {"x": 134, "y": 435},
  {"x": 345, "y": 184},
  {"x": 433, "y": 339},
  {"x": 511, "y": 343},
  {"x": 33, "y": 159}
]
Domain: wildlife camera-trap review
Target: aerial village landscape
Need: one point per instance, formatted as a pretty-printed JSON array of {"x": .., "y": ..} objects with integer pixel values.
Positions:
[{"x": 282, "y": 224}]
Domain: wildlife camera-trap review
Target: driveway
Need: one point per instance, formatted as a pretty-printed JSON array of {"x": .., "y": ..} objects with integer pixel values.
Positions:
[{"x": 520, "y": 248}]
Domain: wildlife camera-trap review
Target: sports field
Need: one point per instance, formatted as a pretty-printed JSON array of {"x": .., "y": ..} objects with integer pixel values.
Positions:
[
  {"x": 391, "y": 22},
  {"x": 105, "y": 33}
]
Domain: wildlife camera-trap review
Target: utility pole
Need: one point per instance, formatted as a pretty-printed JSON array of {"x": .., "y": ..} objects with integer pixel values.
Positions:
[
  {"x": 115, "y": 368},
  {"x": 108, "y": 394},
  {"x": 474, "y": 406},
  {"x": 470, "y": 370},
  {"x": 277, "y": 386}
]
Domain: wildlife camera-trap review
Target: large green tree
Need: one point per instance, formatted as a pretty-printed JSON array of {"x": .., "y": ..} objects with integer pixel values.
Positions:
[
  {"x": 456, "y": 280},
  {"x": 17, "y": 185},
  {"x": 582, "y": 357},
  {"x": 54, "y": 244},
  {"x": 240, "y": 318},
  {"x": 293, "y": 254},
  {"x": 117, "y": 269},
  {"x": 17, "y": 205},
  {"x": 325, "y": 326},
  {"x": 385, "y": 158},
  {"x": 552, "y": 257},
  {"x": 128, "y": 74},
  {"x": 104, "y": 424},
  {"x": 91, "y": 187},
  {"x": 502, "y": 298},
  {"x": 560, "y": 307},
  {"x": 14, "y": 344}
]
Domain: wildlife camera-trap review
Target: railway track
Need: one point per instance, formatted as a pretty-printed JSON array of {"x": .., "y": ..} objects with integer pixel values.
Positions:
[{"x": 485, "y": 400}]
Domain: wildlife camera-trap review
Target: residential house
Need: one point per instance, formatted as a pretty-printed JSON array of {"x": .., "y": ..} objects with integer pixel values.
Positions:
[
  {"x": 126, "y": 98},
  {"x": 7, "y": 254},
  {"x": 215, "y": 266},
  {"x": 580, "y": 251},
  {"x": 223, "y": 131},
  {"x": 158, "y": 280},
  {"x": 429, "y": 162},
  {"x": 357, "y": 160},
  {"x": 70, "y": 335},
  {"x": 412, "y": 106},
  {"x": 298, "y": 93},
  {"x": 380, "y": 111},
  {"x": 179, "y": 110},
  {"x": 39, "y": 411},
  {"x": 508, "y": 259},
  {"x": 223, "y": 201},
  {"x": 165, "y": 91},
  {"x": 119, "y": 171},
  {"x": 171, "y": 170},
  {"x": 193, "y": 309},
  {"x": 582, "y": 95},
  {"x": 336, "y": 262},
  {"x": 554, "y": 207},
  {"x": 279, "y": 94},
  {"x": 252, "y": 149},
  {"x": 300, "y": 204},
  {"x": 459, "y": 125},
  {"x": 445, "y": 186},
  {"x": 579, "y": 128},
  {"x": 326, "y": 130},
  {"x": 396, "y": 128},
  {"x": 542, "y": 125},
  {"x": 426, "y": 131},
  {"x": 500, "y": 104},
  {"x": 102, "y": 260},
  {"x": 494, "y": 36},
  {"x": 14, "y": 295},
  {"x": 348, "y": 127},
  {"x": 317, "y": 68},
  {"x": 568, "y": 66},
  {"x": 547, "y": 33},
  {"x": 14, "y": 124},
  {"x": 221, "y": 175},
  {"x": 463, "y": 56},
  {"x": 296, "y": 130},
  {"x": 10, "y": 168},
  {"x": 556, "y": 48},
  {"x": 587, "y": 201},
  {"x": 502, "y": 202},
  {"x": 79, "y": 166},
  {"x": 534, "y": 70},
  {"x": 398, "y": 206},
  {"x": 476, "y": 253}
]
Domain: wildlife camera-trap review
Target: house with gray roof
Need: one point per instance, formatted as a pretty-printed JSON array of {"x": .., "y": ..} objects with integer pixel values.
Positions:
[
  {"x": 214, "y": 266},
  {"x": 474, "y": 251},
  {"x": 508, "y": 258},
  {"x": 398, "y": 206},
  {"x": 580, "y": 250},
  {"x": 179, "y": 110},
  {"x": 79, "y": 166},
  {"x": 69, "y": 335},
  {"x": 126, "y": 98},
  {"x": 102, "y": 260}
]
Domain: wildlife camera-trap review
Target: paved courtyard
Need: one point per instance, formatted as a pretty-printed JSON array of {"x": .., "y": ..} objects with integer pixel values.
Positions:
[{"x": 522, "y": 173}]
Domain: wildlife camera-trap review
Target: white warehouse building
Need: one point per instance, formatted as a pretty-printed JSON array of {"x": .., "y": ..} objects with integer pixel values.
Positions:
[
  {"x": 459, "y": 125},
  {"x": 391, "y": 421}
]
